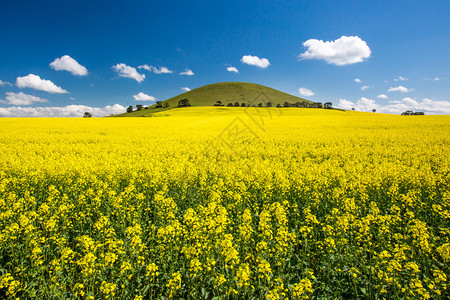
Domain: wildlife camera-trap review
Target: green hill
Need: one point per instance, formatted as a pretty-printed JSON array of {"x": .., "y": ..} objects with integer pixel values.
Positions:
[{"x": 227, "y": 92}]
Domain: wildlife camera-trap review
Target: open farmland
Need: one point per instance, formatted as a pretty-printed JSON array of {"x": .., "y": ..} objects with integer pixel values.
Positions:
[{"x": 207, "y": 202}]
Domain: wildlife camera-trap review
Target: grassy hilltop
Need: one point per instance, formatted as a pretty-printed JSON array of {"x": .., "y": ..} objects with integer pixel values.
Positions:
[{"x": 227, "y": 92}]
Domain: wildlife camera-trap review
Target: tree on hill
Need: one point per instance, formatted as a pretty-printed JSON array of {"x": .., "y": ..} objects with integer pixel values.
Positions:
[
  {"x": 318, "y": 104},
  {"x": 183, "y": 103},
  {"x": 166, "y": 104},
  {"x": 236, "y": 104},
  {"x": 374, "y": 110},
  {"x": 327, "y": 105},
  {"x": 269, "y": 104},
  {"x": 130, "y": 109},
  {"x": 278, "y": 105},
  {"x": 87, "y": 115},
  {"x": 260, "y": 105},
  {"x": 243, "y": 104},
  {"x": 218, "y": 103},
  {"x": 139, "y": 107},
  {"x": 230, "y": 104},
  {"x": 158, "y": 104}
]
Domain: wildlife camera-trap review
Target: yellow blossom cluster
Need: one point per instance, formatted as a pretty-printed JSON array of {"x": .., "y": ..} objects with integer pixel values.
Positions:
[{"x": 306, "y": 204}]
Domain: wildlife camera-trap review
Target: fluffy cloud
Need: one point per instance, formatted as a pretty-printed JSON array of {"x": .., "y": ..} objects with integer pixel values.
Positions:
[
  {"x": 21, "y": 99},
  {"x": 185, "y": 88},
  {"x": 357, "y": 80},
  {"x": 35, "y": 82},
  {"x": 382, "y": 96},
  {"x": 232, "y": 69},
  {"x": 400, "y": 78},
  {"x": 435, "y": 79},
  {"x": 344, "y": 51},
  {"x": 67, "y": 63},
  {"x": 399, "y": 88},
  {"x": 363, "y": 104},
  {"x": 129, "y": 72},
  {"x": 363, "y": 88},
  {"x": 187, "y": 72},
  {"x": 4, "y": 83},
  {"x": 427, "y": 105},
  {"x": 143, "y": 97},
  {"x": 66, "y": 111},
  {"x": 305, "y": 92},
  {"x": 255, "y": 61},
  {"x": 161, "y": 70}
]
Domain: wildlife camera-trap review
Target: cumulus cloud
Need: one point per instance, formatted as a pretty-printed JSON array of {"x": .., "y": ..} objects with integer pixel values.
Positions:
[
  {"x": 160, "y": 70},
  {"x": 344, "y": 51},
  {"x": 143, "y": 97},
  {"x": 21, "y": 99},
  {"x": 187, "y": 72},
  {"x": 66, "y": 111},
  {"x": 35, "y": 82},
  {"x": 185, "y": 88},
  {"x": 427, "y": 105},
  {"x": 232, "y": 69},
  {"x": 262, "y": 63},
  {"x": 357, "y": 80},
  {"x": 435, "y": 79},
  {"x": 363, "y": 88},
  {"x": 305, "y": 92},
  {"x": 129, "y": 72},
  {"x": 4, "y": 83},
  {"x": 382, "y": 96},
  {"x": 67, "y": 63},
  {"x": 400, "y": 78},
  {"x": 363, "y": 104},
  {"x": 399, "y": 88}
]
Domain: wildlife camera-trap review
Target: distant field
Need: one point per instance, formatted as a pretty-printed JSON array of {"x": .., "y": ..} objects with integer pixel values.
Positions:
[{"x": 219, "y": 203}]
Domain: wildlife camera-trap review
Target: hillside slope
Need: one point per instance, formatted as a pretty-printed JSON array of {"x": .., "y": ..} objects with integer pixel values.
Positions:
[{"x": 227, "y": 92}]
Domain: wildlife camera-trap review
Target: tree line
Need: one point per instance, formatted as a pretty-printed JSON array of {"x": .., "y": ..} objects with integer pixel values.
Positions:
[{"x": 185, "y": 103}]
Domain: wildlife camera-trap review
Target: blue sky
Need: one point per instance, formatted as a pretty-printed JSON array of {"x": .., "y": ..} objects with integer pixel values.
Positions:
[{"x": 61, "y": 58}]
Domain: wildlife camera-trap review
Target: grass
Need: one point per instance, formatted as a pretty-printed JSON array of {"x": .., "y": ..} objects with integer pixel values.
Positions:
[{"x": 227, "y": 92}]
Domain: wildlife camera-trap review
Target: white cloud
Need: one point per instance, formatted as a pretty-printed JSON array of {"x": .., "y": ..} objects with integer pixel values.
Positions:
[
  {"x": 185, "y": 88},
  {"x": 382, "y": 96},
  {"x": 232, "y": 69},
  {"x": 363, "y": 104},
  {"x": 21, "y": 99},
  {"x": 4, "y": 83},
  {"x": 129, "y": 72},
  {"x": 143, "y": 97},
  {"x": 187, "y": 72},
  {"x": 161, "y": 70},
  {"x": 435, "y": 79},
  {"x": 72, "y": 98},
  {"x": 66, "y": 111},
  {"x": 427, "y": 105},
  {"x": 399, "y": 88},
  {"x": 305, "y": 92},
  {"x": 357, "y": 80},
  {"x": 255, "y": 61},
  {"x": 363, "y": 88},
  {"x": 67, "y": 63},
  {"x": 400, "y": 78},
  {"x": 343, "y": 51},
  {"x": 35, "y": 82}
]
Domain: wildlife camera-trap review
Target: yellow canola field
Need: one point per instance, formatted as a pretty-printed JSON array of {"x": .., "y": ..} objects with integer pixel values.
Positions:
[{"x": 219, "y": 203}]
